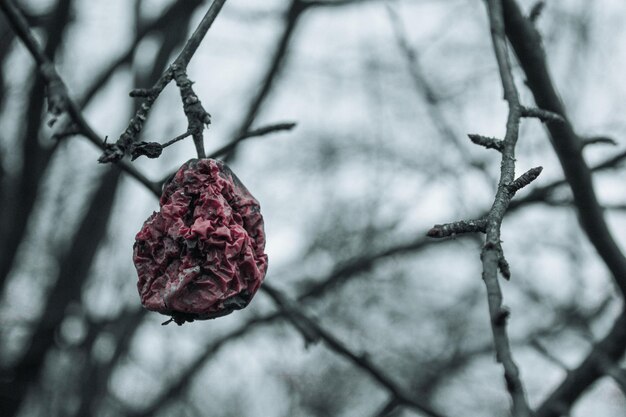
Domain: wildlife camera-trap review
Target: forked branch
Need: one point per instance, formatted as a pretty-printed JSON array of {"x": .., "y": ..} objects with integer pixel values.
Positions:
[
  {"x": 58, "y": 97},
  {"x": 197, "y": 116}
]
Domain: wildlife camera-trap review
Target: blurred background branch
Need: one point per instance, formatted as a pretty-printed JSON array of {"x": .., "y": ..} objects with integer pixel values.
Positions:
[{"x": 348, "y": 198}]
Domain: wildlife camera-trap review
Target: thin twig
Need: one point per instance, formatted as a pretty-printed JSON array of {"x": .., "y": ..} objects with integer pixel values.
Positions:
[
  {"x": 176, "y": 139},
  {"x": 262, "y": 131},
  {"x": 224, "y": 150},
  {"x": 291, "y": 18},
  {"x": 172, "y": 16}
]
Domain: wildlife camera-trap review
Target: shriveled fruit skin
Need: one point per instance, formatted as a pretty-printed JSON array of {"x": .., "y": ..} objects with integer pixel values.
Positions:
[{"x": 202, "y": 255}]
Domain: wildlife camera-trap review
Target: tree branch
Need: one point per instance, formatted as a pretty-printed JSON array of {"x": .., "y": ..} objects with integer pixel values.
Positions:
[
  {"x": 262, "y": 131},
  {"x": 57, "y": 92},
  {"x": 492, "y": 256},
  {"x": 21, "y": 188},
  {"x": 568, "y": 146},
  {"x": 291, "y": 18},
  {"x": 197, "y": 116},
  {"x": 527, "y": 45}
]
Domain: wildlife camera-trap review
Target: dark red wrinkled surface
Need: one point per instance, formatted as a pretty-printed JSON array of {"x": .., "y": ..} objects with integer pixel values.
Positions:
[{"x": 202, "y": 255}]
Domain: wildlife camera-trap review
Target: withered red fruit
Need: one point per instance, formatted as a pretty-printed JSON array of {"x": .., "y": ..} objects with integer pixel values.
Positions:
[{"x": 202, "y": 255}]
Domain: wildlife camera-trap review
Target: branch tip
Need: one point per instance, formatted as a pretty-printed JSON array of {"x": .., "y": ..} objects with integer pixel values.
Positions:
[
  {"x": 463, "y": 226},
  {"x": 524, "y": 179},
  {"x": 486, "y": 141}
]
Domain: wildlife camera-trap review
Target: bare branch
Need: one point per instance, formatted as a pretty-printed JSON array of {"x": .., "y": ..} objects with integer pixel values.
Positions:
[
  {"x": 363, "y": 263},
  {"x": 197, "y": 116},
  {"x": 224, "y": 150},
  {"x": 492, "y": 256},
  {"x": 262, "y": 131},
  {"x": 291, "y": 18},
  {"x": 57, "y": 92},
  {"x": 526, "y": 42},
  {"x": 528, "y": 48}
]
